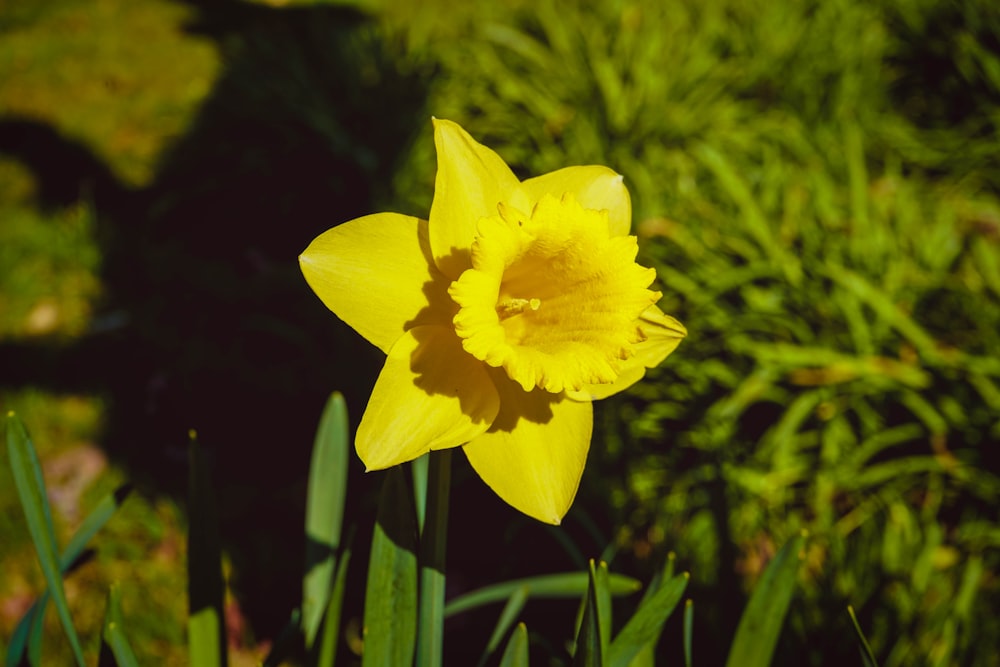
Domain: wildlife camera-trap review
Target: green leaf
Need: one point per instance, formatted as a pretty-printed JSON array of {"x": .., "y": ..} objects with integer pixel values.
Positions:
[
  {"x": 589, "y": 645},
  {"x": 646, "y": 657},
  {"x": 602, "y": 595},
  {"x": 515, "y": 603},
  {"x": 867, "y": 657},
  {"x": 516, "y": 653},
  {"x": 419, "y": 469},
  {"x": 115, "y": 649},
  {"x": 646, "y": 624},
  {"x": 28, "y": 636},
  {"x": 31, "y": 490},
  {"x": 760, "y": 625},
  {"x": 331, "y": 621},
  {"x": 29, "y": 630},
  {"x": 206, "y": 630},
  {"x": 390, "y": 625},
  {"x": 433, "y": 542},
  {"x": 324, "y": 512},
  {"x": 565, "y": 585}
]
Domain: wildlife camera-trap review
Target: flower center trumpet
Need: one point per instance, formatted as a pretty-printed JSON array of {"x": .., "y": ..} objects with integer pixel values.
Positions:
[{"x": 502, "y": 316}]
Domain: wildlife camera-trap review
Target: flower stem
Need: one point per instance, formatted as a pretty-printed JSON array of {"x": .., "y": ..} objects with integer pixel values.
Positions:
[{"x": 433, "y": 542}]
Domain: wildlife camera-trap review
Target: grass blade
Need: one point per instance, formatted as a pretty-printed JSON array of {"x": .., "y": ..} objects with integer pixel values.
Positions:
[
  {"x": 206, "y": 630},
  {"x": 331, "y": 622},
  {"x": 31, "y": 490},
  {"x": 867, "y": 656},
  {"x": 390, "y": 625},
  {"x": 516, "y": 653},
  {"x": 760, "y": 625},
  {"x": 588, "y": 651},
  {"x": 646, "y": 624},
  {"x": 646, "y": 657},
  {"x": 566, "y": 585},
  {"x": 433, "y": 543},
  {"x": 602, "y": 595},
  {"x": 19, "y": 638},
  {"x": 28, "y": 630},
  {"x": 324, "y": 512},
  {"x": 115, "y": 649},
  {"x": 515, "y": 603}
]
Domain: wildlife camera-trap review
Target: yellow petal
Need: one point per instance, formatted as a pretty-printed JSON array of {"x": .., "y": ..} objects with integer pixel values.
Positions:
[
  {"x": 534, "y": 454},
  {"x": 662, "y": 335},
  {"x": 376, "y": 273},
  {"x": 471, "y": 180},
  {"x": 594, "y": 187},
  {"x": 431, "y": 394}
]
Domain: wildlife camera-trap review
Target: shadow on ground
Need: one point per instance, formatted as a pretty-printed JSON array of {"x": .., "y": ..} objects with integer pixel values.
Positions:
[{"x": 207, "y": 322}]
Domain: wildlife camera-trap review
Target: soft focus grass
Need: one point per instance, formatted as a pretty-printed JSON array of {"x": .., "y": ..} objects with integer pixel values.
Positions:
[{"x": 817, "y": 185}]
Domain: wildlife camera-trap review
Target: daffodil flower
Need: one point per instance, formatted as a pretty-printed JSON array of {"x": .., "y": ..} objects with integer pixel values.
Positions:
[{"x": 503, "y": 317}]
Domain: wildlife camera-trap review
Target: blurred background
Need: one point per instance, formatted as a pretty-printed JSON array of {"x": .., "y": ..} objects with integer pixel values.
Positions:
[{"x": 816, "y": 184}]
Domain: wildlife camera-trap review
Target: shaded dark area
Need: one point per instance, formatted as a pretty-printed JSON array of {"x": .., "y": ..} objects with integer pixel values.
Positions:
[{"x": 207, "y": 322}]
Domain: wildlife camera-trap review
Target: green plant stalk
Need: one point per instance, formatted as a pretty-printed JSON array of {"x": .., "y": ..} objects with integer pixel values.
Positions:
[{"x": 433, "y": 546}]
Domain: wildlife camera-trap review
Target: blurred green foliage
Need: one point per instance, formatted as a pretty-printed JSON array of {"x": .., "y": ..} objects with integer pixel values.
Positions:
[{"x": 817, "y": 185}]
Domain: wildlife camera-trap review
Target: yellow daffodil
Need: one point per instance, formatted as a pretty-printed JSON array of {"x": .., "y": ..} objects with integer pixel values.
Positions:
[{"x": 502, "y": 317}]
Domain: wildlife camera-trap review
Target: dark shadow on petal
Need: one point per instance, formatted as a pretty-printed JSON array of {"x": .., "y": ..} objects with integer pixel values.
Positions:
[
  {"x": 516, "y": 404},
  {"x": 444, "y": 368}
]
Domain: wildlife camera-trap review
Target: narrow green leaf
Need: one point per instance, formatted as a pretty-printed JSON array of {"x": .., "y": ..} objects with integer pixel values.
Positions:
[
  {"x": 31, "y": 490},
  {"x": 19, "y": 638},
  {"x": 331, "y": 621},
  {"x": 688, "y": 630},
  {"x": 206, "y": 630},
  {"x": 602, "y": 595},
  {"x": 419, "y": 470},
  {"x": 511, "y": 610},
  {"x": 646, "y": 657},
  {"x": 35, "y": 638},
  {"x": 433, "y": 543},
  {"x": 762, "y": 620},
  {"x": 646, "y": 624},
  {"x": 867, "y": 657},
  {"x": 98, "y": 516},
  {"x": 588, "y": 641},
  {"x": 565, "y": 585},
  {"x": 30, "y": 625},
  {"x": 390, "y": 617},
  {"x": 324, "y": 512},
  {"x": 115, "y": 649},
  {"x": 516, "y": 653}
]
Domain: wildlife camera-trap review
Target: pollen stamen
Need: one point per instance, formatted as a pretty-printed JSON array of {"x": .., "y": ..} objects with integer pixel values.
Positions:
[{"x": 507, "y": 308}]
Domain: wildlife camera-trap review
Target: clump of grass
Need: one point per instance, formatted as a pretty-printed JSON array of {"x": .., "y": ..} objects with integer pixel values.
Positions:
[{"x": 830, "y": 238}]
